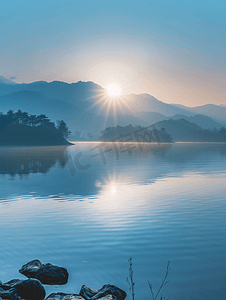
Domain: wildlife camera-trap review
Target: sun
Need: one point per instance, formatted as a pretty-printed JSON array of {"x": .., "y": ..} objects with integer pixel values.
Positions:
[
  {"x": 113, "y": 90},
  {"x": 112, "y": 100}
]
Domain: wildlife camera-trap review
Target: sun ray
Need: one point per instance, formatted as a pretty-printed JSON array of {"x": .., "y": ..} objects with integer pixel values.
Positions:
[
  {"x": 114, "y": 111},
  {"x": 97, "y": 102},
  {"x": 120, "y": 106},
  {"x": 103, "y": 105},
  {"x": 107, "y": 113},
  {"x": 110, "y": 101}
]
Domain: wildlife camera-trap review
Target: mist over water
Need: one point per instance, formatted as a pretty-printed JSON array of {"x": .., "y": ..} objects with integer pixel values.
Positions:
[{"x": 89, "y": 212}]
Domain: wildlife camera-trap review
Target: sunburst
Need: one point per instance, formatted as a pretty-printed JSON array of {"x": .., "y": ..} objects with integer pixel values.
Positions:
[
  {"x": 112, "y": 100},
  {"x": 114, "y": 90}
]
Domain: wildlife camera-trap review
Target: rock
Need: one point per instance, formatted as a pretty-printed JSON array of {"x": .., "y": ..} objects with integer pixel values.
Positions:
[
  {"x": 8, "y": 285},
  {"x": 108, "y": 297},
  {"x": 63, "y": 296},
  {"x": 9, "y": 294},
  {"x": 87, "y": 292},
  {"x": 46, "y": 273},
  {"x": 29, "y": 289},
  {"x": 107, "y": 290}
]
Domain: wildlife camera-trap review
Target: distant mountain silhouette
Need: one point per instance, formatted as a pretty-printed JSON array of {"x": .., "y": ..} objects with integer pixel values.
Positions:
[
  {"x": 83, "y": 106},
  {"x": 216, "y": 112},
  {"x": 151, "y": 117},
  {"x": 37, "y": 103},
  {"x": 149, "y": 103},
  {"x": 4, "y": 80},
  {"x": 200, "y": 120},
  {"x": 183, "y": 131}
]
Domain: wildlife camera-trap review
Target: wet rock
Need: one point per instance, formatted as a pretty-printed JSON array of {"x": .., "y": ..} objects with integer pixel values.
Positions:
[
  {"x": 9, "y": 294},
  {"x": 63, "y": 296},
  {"x": 46, "y": 273},
  {"x": 29, "y": 289},
  {"x": 8, "y": 285},
  {"x": 87, "y": 292},
  {"x": 106, "y": 291},
  {"x": 108, "y": 297}
]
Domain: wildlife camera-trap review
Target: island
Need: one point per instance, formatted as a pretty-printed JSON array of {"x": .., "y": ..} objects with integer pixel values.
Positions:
[
  {"x": 131, "y": 134},
  {"x": 24, "y": 129}
]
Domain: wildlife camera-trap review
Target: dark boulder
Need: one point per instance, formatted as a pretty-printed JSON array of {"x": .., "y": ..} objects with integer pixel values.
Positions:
[
  {"x": 9, "y": 294},
  {"x": 104, "y": 293},
  {"x": 8, "y": 285},
  {"x": 63, "y": 296},
  {"x": 87, "y": 292},
  {"x": 108, "y": 297},
  {"x": 29, "y": 289},
  {"x": 46, "y": 273}
]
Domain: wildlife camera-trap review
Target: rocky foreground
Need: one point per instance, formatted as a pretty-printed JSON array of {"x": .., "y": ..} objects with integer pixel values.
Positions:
[{"x": 39, "y": 274}]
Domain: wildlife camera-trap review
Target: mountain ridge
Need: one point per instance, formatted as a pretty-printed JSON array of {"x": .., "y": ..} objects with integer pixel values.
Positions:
[{"x": 83, "y": 105}]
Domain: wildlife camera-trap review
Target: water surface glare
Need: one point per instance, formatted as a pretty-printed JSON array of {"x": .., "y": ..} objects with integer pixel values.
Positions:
[{"x": 162, "y": 203}]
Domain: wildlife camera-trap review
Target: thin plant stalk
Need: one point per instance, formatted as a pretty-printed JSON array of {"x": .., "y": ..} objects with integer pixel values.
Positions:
[
  {"x": 164, "y": 282},
  {"x": 130, "y": 278}
]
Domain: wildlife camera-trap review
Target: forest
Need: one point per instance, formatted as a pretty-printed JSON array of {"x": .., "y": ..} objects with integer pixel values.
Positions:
[{"x": 22, "y": 128}]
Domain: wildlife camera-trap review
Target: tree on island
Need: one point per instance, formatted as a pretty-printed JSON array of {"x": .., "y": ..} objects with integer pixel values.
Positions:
[
  {"x": 24, "y": 128},
  {"x": 146, "y": 134},
  {"x": 63, "y": 128}
]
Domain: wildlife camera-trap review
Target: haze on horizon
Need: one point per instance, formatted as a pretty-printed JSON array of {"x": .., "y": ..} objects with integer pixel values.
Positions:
[{"x": 172, "y": 50}]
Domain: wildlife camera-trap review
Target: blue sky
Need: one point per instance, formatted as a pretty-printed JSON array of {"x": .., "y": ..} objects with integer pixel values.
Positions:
[{"x": 173, "y": 50}]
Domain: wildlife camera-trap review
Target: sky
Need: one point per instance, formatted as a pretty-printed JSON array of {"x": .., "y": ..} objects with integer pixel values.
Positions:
[{"x": 173, "y": 50}]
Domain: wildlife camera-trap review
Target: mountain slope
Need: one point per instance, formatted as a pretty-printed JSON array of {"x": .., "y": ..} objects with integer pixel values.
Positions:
[
  {"x": 200, "y": 120},
  {"x": 4, "y": 80},
  {"x": 180, "y": 130},
  {"x": 148, "y": 103},
  {"x": 83, "y": 106},
  {"x": 151, "y": 117},
  {"x": 216, "y": 112},
  {"x": 183, "y": 131}
]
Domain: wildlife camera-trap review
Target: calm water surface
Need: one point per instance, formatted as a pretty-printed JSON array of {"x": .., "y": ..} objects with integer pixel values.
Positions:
[{"x": 91, "y": 213}]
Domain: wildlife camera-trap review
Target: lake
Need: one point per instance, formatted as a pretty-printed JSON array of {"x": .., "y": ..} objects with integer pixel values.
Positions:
[{"x": 89, "y": 207}]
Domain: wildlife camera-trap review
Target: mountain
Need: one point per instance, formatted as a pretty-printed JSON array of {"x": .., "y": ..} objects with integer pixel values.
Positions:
[
  {"x": 4, "y": 80},
  {"x": 151, "y": 117},
  {"x": 149, "y": 103},
  {"x": 84, "y": 106},
  {"x": 183, "y": 131},
  {"x": 216, "y": 112},
  {"x": 200, "y": 120},
  {"x": 180, "y": 130},
  {"x": 74, "y": 103},
  {"x": 36, "y": 103}
]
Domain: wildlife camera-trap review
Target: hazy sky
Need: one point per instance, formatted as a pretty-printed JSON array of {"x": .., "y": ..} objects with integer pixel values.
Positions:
[{"x": 173, "y": 50}]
